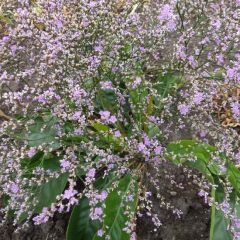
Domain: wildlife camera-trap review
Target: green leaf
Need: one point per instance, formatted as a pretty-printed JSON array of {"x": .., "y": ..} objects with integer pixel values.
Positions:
[
  {"x": 100, "y": 127},
  {"x": 43, "y": 132},
  {"x": 80, "y": 226},
  {"x": 115, "y": 220},
  {"x": 49, "y": 191}
]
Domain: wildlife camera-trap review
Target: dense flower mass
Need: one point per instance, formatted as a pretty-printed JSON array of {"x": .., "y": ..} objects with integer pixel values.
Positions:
[{"x": 93, "y": 92}]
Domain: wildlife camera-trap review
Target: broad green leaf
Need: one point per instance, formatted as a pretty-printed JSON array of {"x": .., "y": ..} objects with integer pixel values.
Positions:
[
  {"x": 100, "y": 127},
  {"x": 43, "y": 132},
  {"x": 49, "y": 191},
  {"x": 81, "y": 226},
  {"x": 115, "y": 220}
]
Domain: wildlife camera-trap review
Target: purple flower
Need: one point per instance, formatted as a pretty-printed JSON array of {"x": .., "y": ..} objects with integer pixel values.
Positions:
[
  {"x": 147, "y": 141},
  {"x": 31, "y": 152},
  {"x": 183, "y": 109},
  {"x": 65, "y": 164},
  {"x": 113, "y": 119},
  {"x": 231, "y": 73},
  {"x": 235, "y": 106},
  {"x": 69, "y": 193},
  {"x": 100, "y": 232},
  {"x": 141, "y": 147},
  {"x": 14, "y": 188},
  {"x": 43, "y": 217},
  {"x": 13, "y": 49},
  {"x": 198, "y": 98},
  {"x": 165, "y": 12},
  {"x": 97, "y": 213},
  {"x": 59, "y": 24},
  {"x": 106, "y": 85},
  {"x": 117, "y": 134},
  {"x": 158, "y": 150},
  {"x": 102, "y": 196},
  {"x": 91, "y": 173},
  {"x": 105, "y": 115},
  {"x": 77, "y": 116}
]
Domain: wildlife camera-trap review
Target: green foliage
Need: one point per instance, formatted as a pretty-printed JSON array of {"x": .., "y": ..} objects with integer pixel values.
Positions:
[
  {"x": 80, "y": 226},
  {"x": 115, "y": 219},
  {"x": 43, "y": 131}
]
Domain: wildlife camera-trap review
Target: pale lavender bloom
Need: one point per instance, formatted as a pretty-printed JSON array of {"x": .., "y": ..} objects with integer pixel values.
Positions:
[
  {"x": 105, "y": 115},
  {"x": 13, "y": 49},
  {"x": 165, "y": 12},
  {"x": 171, "y": 25},
  {"x": 204, "y": 194},
  {"x": 236, "y": 223},
  {"x": 3, "y": 76},
  {"x": 113, "y": 119},
  {"x": 59, "y": 24},
  {"x": 31, "y": 152},
  {"x": 231, "y": 73},
  {"x": 65, "y": 164},
  {"x": 77, "y": 116},
  {"x": 147, "y": 141},
  {"x": 43, "y": 217},
  {"x": 41, "y": 99},
  {"x": 106, "y": 85},
  {"x": 91, "y": 173},
  {"x": 98, "y": 48},
  {"x": 100, "y": 232},
  {"x": 5, "y": 39},
  {"x": 92, "y": 4},
  {"x": 141, "y": 147},
  {"x": 235, "y": 106},
  {"x": 192, "y": 61},
  {"x": 102, "y": 196},
  {"x": 225, "y": 207},
  {"x": 117, "y": 134},
  {"x": 202, "y": 134},
  {"x": 183, "y": 109},
  {"x": 136, "y": 82},
  {"x": 158, "y": 150},
  {"x": 14, "y": 188},
  {"x": 97, "y": 213},
  {"x": 198, "y": 98},
  {"x": 69, "y": 193}
]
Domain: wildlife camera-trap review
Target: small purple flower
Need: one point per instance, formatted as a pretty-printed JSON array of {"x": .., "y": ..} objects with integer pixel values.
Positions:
[
  {"x": 69, "y": 193},
  {"x": 77, "y": 116},
  {"x": 141, "y": 147},
  {"x": 65, "y": 164},
  {"x": 158, "y": 150},
  {"x": 103, "y": 195},
  {"x": 106, "y": 85},
  {"x": 59, "y": 24},
  {"x": 31, "y": 152},
  {"x": 235, "y": 106},
  {"x": 91, "y": 173},
  {"x": 198, "y": 98},
  {"x": 147, "y": 141},
  {"x": 105, "y": 115},
  {"x": 113, "y": 119},
  {"x": 183, "y": 109},
  {"x": 100, "y": 232},
  {"x": 117, "y": 134},
  {"x": 14, "y": 188}
]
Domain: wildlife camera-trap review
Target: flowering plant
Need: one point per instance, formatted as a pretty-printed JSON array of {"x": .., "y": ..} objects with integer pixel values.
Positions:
[{"x": 95, "y": 90}]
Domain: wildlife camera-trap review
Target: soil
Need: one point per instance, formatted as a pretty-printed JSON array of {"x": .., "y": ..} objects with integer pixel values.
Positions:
[{"x": 195, "y": 219}]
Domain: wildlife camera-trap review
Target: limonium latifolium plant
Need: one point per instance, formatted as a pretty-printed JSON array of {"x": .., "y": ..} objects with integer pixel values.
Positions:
[{"x": 94, "y": 97}]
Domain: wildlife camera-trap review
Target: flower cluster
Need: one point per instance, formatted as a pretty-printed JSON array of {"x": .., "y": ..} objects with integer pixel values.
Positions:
[{"x": 96, "y": 90}]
